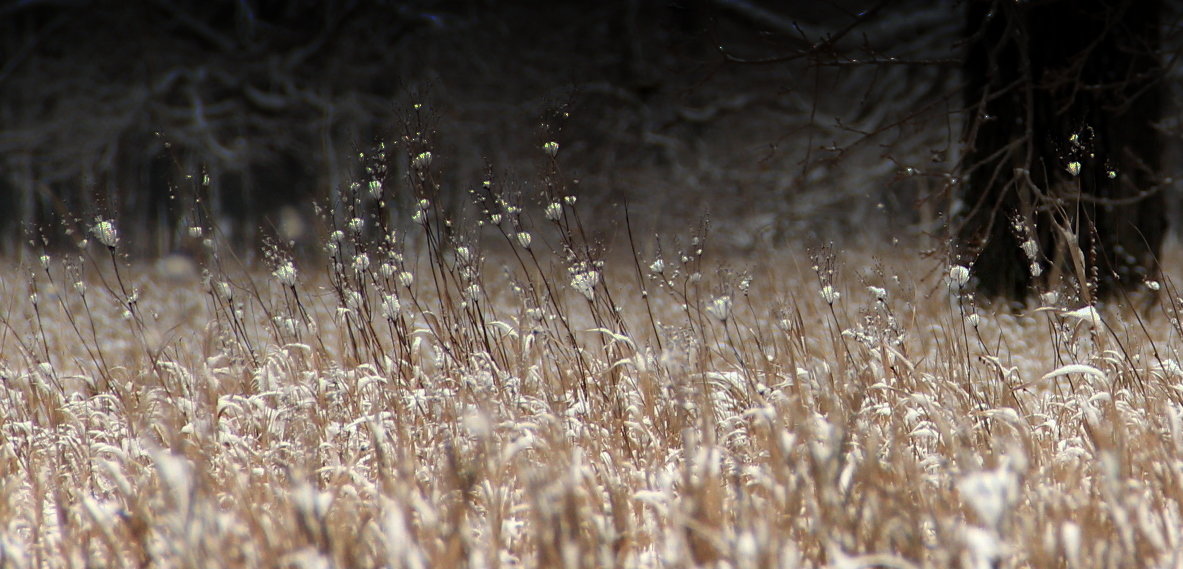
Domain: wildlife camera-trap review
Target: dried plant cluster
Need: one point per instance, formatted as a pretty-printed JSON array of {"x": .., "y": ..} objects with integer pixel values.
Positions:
[{"x": 520, "y": 395}]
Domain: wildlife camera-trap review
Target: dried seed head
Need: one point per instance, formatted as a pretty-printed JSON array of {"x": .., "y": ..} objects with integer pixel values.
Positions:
[
  {"x": 390, "y": 306},
  {"x": 551, "y": 148},
  {"x": 585, "y": 282},
  {"x": 421, "y": 161},
  {"x": 361, "y": 262},
  {"x": 830, "y": 295},
  {"x": 104, "y": 231},
  {"x": 958, "y": 277},
  {"x": 720, "y": 308},
  {"x": 285, "y": 274},
  {"x": 554, "y": 211},
  {"x": 1030, "y": 249}
]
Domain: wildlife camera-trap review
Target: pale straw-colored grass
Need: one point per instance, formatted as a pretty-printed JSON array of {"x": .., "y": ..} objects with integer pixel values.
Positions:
[{"x": 509, "y": 412}]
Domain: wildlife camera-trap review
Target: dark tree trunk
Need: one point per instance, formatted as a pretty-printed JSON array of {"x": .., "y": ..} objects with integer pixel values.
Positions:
[{"x": 1062, "y": 96}]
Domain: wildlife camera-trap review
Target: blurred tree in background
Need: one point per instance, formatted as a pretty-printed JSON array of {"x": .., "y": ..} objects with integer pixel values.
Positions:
[
  {"x": 1064, "y": 149},
  {"x": 139, "y": 109}
]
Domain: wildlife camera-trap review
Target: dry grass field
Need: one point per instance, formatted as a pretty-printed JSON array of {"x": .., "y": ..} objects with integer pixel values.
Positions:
[{"x": 524, "y": 398}]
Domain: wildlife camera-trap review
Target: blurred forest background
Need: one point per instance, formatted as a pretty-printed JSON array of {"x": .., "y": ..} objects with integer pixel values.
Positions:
[{"x": 826, "y": 120}]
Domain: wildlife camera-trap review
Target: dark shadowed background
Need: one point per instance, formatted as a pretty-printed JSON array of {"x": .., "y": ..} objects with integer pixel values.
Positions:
[{"x": 818, "y": 120}]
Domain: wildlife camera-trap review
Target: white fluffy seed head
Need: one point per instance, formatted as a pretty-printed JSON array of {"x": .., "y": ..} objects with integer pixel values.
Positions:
[
  {"x": 658, "y": 267},
  {"x": 720, "y": 308},
  {"x": 390, "y": 306},
  {"x": 830, "y": 294},
  {"x": 958, "y": 276},
  {"x": 421, "y": 161},
  {"x": 554, "y": 211},
  {"x": 585, "y": 283},
  {"x": 285, "y": 274},
  {"x": 551, "y": 148},
  {"x": 524, "y": 239},
  {"x": 361, "y": 262},
  {"x": 104, "y": 231}
]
